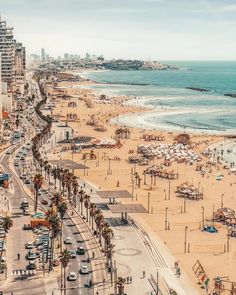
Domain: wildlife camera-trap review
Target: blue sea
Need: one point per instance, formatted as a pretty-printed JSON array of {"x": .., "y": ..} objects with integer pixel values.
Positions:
[{"x": 174, "y": 106}]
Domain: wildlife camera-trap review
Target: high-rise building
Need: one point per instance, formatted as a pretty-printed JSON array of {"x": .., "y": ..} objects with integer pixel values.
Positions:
[
  {"x": 88, "y": 57},
  {"x": 19, "y": 65},
  {"x": 12, "y": 57},
  {"x": 66, "y": 56},
  {"x": 43, "y": 54},
  {"x": 0, "y": 100},
  {"x": 7, "y": 52}
]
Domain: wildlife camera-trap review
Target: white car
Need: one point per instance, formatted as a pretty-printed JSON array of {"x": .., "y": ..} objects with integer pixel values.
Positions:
[
  {"x": 72, "y": 276},
  {"x": 29, "y": 245},
  {"x": 68, "y": 241},
  {"x": 84, "y": 269}
]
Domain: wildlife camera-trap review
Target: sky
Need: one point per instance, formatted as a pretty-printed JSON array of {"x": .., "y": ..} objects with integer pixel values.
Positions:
[{"x": 142, "y": 29}]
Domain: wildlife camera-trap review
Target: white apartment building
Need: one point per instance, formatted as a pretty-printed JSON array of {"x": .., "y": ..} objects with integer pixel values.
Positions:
[
  {"x": 7, "y": 52},
  {"x": 12, "y": 57}
]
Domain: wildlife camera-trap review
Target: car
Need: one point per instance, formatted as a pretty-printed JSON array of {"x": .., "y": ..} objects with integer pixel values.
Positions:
[
  {"x": 40, "y": 247},
  {"x": 16, "y": 164},
  {"x": 8, "y": 152},
  {"x": 72, "y": 276},
  {"x": 31, "y": 265},
  {"x": 72, "y": 253},
  {"x": 27, "y": 227},
  {"x": 29, "y": 245},
  {"x": 80, "y": 251},
  {"x": 23, "y": 175},
  {"x": 84, "y": 270},
  {"x": 44, "y": 202},
  {"x": 68, "y": 241},
  {"x": 27, "y": 181},
  {"x": 31, "y": 255},
  {"x": 26, "y": 211},
  {"x": 2, "y": 232}
]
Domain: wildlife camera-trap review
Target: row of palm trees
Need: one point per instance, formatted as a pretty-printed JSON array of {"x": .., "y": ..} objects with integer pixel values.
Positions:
[{"x": 69, "y": 188}]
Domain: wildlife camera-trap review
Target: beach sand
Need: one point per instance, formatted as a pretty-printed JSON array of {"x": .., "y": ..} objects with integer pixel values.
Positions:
[{"x": 208, "y": 248}]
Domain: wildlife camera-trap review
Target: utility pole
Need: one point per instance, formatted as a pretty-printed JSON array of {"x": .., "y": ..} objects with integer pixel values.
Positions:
[
  {"x": 203, "y": 217},
  {"x": 185, "y": 239},
  {"x": 228, "y": 236},
  {"x": 157, "y": 283},
  {"x": 166, "y": 218},
  {"x": 148, "y": 202},
  {"x": 222, "y": 200},
  {"x": 184, "y": 205}
]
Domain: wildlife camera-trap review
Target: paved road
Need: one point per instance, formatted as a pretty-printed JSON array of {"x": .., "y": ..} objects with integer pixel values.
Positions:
[
  {"x": 69, "y": 229},
  {"x": 16, "y": 240}
]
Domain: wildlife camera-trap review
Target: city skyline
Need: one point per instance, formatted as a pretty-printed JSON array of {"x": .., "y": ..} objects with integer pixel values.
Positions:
[{"x": 142, "y": 29}]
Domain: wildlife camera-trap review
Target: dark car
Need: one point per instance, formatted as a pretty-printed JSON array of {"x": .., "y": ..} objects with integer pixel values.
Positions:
[
  {"x": 27, "y": 227},
  {"x": 31, "y": 265},
  {"x": 80, "y": 251}
]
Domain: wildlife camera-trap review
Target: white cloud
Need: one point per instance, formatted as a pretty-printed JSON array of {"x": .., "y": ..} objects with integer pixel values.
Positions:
[{"x": 228, "y": 8}]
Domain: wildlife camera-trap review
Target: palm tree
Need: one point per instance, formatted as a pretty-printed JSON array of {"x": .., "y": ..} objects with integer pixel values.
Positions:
[
  {"x": 107, "y": 234},
  {"x": 99, "y": 220},
  {"x": 86, "y": 205},
  {"x": 62, "y": 208},
  {"x": 75, "y": 187},
  {"x": 92, "y": 210},
  {"x": 7, "y": 223},
  {"x": 81, "y": 199},
  {"x": 55, "y": 226},
  {"x": 38, "y": 181},
  {"x": 57, "y": 199},
  {"x": 65, "y": 257},
  {"x": 68, "y": 184},
  {"x": 49, "y": 169},
  {"x": 109, "y": 253}
]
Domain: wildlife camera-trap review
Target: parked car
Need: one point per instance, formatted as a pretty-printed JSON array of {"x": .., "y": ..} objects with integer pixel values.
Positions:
[
  {"x": 72, "y": 276},
  {"x": 84, "y": 269},
  {"x": 31, "y": 255},
  {"x": 2, "y": 232},
  {"x": 68, "y": 241},
  {"x": 29, "y": 245}
]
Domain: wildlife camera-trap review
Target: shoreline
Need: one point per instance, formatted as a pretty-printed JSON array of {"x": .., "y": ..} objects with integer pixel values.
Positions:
[
  {"x": 138, "y": 121},
  {"x": 210, "y": 244}
]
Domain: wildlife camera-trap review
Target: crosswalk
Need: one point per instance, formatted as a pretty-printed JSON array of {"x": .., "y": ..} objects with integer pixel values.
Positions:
[{"x": 23, "y": 272}]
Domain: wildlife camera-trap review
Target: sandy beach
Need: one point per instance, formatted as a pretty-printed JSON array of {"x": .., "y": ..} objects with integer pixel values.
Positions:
[{"x": 169, "y": 215}]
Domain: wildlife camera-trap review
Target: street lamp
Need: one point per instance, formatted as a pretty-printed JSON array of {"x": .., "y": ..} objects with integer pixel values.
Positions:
[
  {"x": 166, "y": 218},
  {"x": 222, "y": 200},
  {"x": 148, "y": 202},
  {"x": 203, "y": 217},
  {"x": 185, "y": 239}
]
